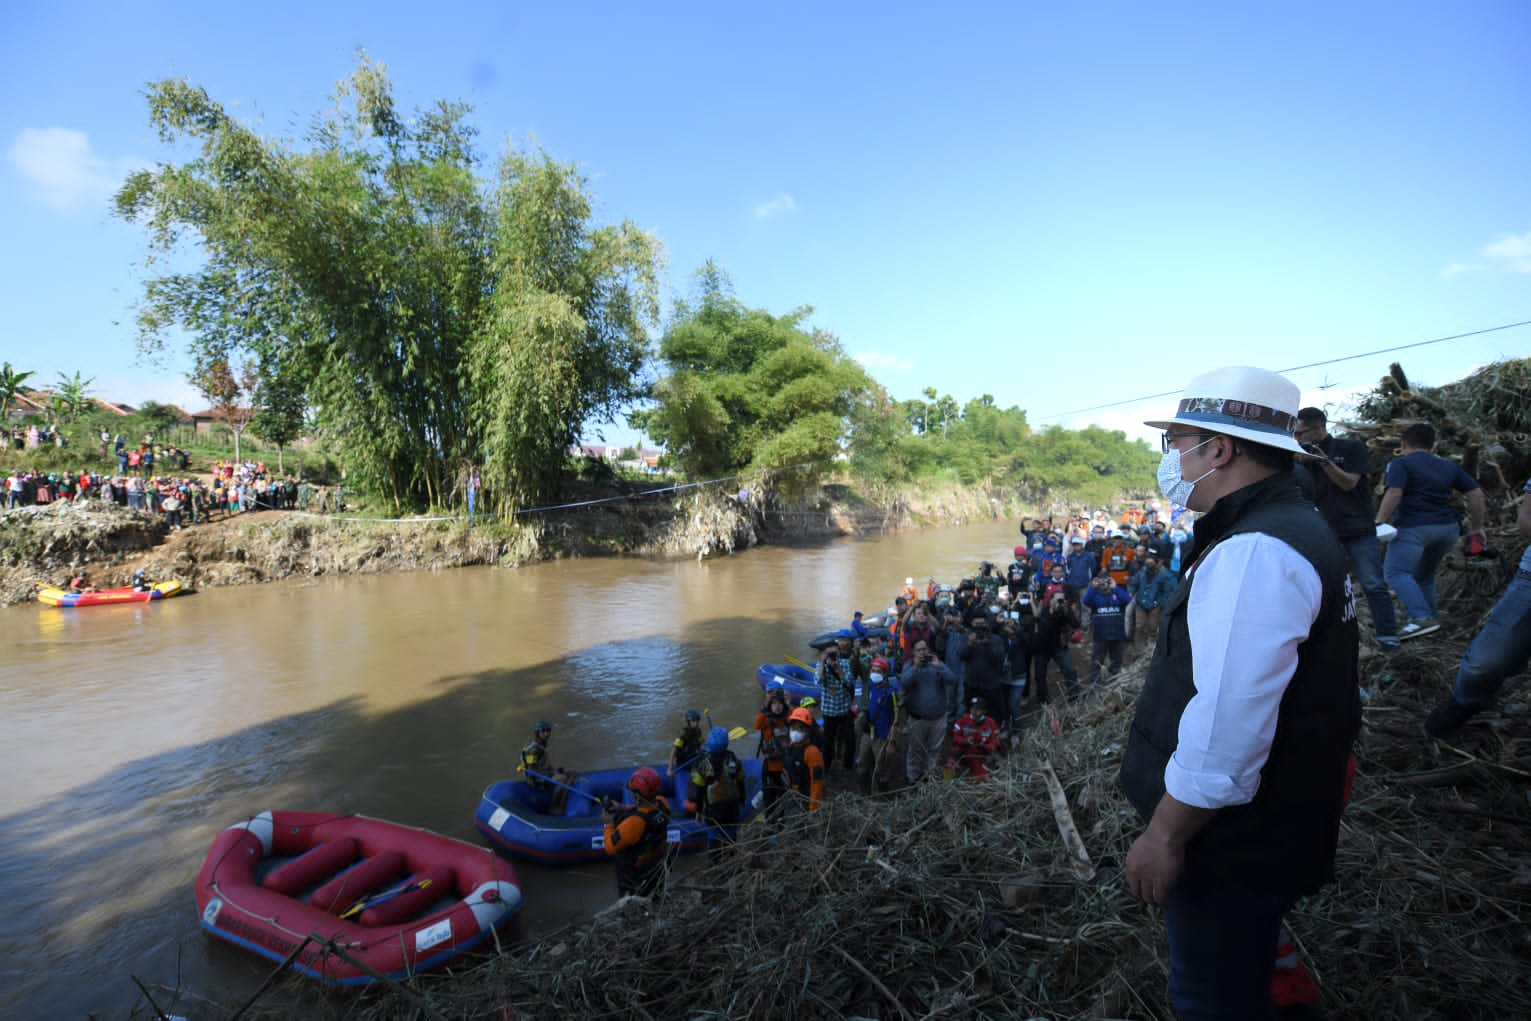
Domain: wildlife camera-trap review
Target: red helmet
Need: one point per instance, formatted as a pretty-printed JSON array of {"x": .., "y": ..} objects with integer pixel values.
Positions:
[
  {"x": 801, "y": 715},
  {"x": 1019, "y": 550},
  {"x": 881, "y": 665},
  {"x": 644, "y": 782}
]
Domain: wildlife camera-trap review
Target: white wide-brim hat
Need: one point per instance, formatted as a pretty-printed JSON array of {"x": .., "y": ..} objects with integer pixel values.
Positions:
[{"x": 1247, "y": 403}]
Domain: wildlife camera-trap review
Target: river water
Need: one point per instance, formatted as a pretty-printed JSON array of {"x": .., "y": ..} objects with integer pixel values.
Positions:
[{"x": 135, "y": 733}]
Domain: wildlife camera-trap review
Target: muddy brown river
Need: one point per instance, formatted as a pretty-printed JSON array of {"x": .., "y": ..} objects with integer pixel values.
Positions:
[{"x": 133, "y": 734}]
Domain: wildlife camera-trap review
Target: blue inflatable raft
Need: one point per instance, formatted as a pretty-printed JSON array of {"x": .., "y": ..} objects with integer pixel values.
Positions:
[
  {"x": 514, "y": 817},
  {"x": 798, "y": 682}
]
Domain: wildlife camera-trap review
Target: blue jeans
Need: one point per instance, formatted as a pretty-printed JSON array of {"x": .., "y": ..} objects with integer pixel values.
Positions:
[
  {"x": 1412, "y": 561},
  {"x": 1365, "y": 554},
  {"x": 1500, "y": 650},
  {"x": 1222, "y": 948},
  {"x": 1015, "y": 694}
]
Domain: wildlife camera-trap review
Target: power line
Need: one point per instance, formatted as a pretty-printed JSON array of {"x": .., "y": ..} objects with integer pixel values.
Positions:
[{"x": 1296, "y": 368}]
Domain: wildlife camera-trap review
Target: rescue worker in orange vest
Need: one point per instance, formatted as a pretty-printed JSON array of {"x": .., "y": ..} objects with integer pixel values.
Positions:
[
  {"x": 1116, "y": 558},
  {"x": 636, "y": 835},
  {"x": 771, "y": 722},
  {"x": 805, "y": 762},
  {"x": 975, "y": 736}
]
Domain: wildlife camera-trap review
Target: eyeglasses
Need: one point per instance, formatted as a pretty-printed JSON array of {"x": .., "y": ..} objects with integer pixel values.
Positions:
[{"x": 1168, "y": 439}]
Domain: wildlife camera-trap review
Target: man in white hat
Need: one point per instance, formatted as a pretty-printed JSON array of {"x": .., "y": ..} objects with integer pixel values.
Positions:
[{"x": 1238, "y": 751}]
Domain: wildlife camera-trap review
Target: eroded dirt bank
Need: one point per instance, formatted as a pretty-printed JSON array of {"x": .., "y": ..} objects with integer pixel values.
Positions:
[{"x": 47, "y": 544}]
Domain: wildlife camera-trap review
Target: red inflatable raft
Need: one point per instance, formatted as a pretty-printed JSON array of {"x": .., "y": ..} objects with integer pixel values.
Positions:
[{"x": 372, "y": 899}]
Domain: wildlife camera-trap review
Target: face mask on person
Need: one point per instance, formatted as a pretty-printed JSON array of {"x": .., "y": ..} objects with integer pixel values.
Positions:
[
  {"x": 1172, "y": 484},
  {"x": 877, "y": 678},
  {"x": 798, "y": 736},
  {"x": 1178, "y": 535}
]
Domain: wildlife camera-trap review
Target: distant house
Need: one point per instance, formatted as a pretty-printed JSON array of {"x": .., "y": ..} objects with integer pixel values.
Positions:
[
  {"x": 203, "y": 422},
  {"x": 645, "y": 459},
  {"x": 35, "y": 402},
  {"x": 28, "y": 403}
]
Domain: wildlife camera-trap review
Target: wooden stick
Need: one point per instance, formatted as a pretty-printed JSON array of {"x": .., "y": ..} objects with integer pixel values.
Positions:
[
  {"x": 159, "y": 1015},
  {"x": 414, "y": 996},
  {"x": 1080, "y": 858},
  {"x": 876, "y": 982},
  {"x": 272, "y": 977}
]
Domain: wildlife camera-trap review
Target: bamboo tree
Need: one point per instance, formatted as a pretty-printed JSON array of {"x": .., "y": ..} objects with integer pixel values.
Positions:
[{"x": 433, "y": 319}]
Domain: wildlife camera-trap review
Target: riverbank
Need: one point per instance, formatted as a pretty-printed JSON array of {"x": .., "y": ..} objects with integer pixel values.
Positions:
[
  {"x": 1006, "y": 899},
  {"x": 48, "y": 543}
]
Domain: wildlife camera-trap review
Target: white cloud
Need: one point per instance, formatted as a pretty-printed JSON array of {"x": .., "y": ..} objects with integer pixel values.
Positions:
[
  {"x": 780, "y": 204},
  {"x": 1509, "y": 254},
  {"x": 66, "y": 173},
  {"x": 883, "y": 360},
  {"x": 1512, "y": 253}
]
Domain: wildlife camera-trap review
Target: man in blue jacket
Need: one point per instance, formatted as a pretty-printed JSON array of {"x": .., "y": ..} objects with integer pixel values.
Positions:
[
  {"x": 1081, "y": 567},
  {"x": 1150, "y": 588},
  {"x": 1108, "y": 624}
]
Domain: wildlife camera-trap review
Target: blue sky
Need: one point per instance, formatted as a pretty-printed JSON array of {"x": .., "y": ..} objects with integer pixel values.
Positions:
[{"x": 1059, "y": 205}]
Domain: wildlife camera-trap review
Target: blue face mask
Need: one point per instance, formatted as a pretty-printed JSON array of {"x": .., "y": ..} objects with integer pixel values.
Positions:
[{"x": 1172, "y": 484}]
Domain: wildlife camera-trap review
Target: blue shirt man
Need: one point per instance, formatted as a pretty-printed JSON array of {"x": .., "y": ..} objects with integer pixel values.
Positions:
[{"x": 1418, "y": 501}]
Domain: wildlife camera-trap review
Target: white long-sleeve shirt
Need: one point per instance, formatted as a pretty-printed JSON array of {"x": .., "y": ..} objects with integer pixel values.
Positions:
[{"x": 1254, "y": 601}]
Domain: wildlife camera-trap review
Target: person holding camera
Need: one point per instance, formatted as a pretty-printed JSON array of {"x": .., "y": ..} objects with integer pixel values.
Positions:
[
  {"x": 1050, "y": 643},
  {"x": 983, "y": 663},
  {"x": 838, "y": 692},
  {"x": 1340, "y": 469},
  {"x": 928, "y": 687},
  {"x": 1107, "y": 603}
]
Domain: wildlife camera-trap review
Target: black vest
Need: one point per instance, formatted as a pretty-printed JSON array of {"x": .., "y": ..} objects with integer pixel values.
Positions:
[{"x": 1284, "y": 840}]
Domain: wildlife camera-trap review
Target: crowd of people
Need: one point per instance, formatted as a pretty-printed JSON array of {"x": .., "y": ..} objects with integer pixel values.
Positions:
[
  {"x": 1239, "y": 757},
  {"x": 182, "y": 500}
]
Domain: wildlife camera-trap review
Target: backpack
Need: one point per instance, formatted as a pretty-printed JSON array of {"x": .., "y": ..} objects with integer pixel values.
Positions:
[{"x": 720, "y": 785}]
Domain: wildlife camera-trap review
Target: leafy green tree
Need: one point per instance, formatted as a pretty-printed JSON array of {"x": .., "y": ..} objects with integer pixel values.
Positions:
[
  {"x": 434, "y": 319},
  {"x": 11, "y": 385},
  {"x": 156, "y": 418},
  {"x": 280, "y": 409},
  {"x": 743, "y": 388}
]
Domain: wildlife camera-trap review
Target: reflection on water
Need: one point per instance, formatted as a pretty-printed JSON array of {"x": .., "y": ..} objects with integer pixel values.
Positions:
[{"x": 136, "y": 732}]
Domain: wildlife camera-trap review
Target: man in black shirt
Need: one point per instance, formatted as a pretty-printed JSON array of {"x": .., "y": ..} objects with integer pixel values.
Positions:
[{"x": 1342, "y": 493}]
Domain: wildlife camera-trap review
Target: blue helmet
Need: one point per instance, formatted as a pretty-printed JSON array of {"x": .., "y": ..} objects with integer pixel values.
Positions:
[
  {"x": 845, "y": 632},
  {"x": 717, "y": 740}
]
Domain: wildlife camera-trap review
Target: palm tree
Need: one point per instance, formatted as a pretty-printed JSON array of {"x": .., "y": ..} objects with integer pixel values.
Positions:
[
  {"x": 10, "y": 386},
  {"x": 74, "y": 393}
]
